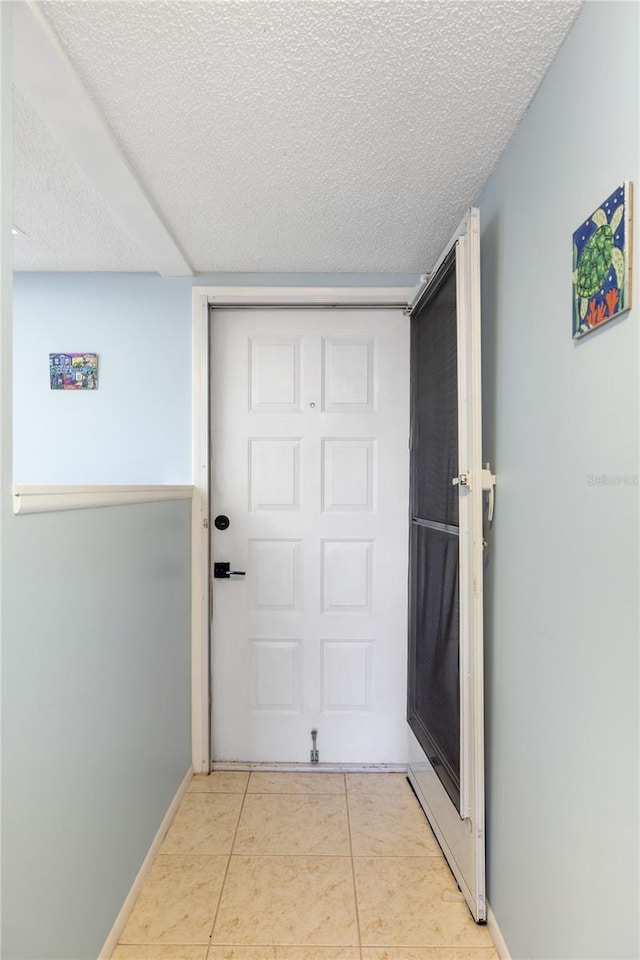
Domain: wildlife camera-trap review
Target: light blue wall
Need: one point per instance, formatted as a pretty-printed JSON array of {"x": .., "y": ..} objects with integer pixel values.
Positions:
[
  {"x": 95, "y": 714},
  {"x": 136, "y": 428},
  {"x": 563, "y": 572}
]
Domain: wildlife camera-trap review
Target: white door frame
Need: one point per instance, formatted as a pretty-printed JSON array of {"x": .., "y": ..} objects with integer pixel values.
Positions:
[{"x": 202, "y": 298}]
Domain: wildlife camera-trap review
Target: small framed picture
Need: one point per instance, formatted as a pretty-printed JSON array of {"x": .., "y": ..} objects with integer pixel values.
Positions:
[
  {"x": 73, "y": 371},
  {"x": 602, "y": 252}
]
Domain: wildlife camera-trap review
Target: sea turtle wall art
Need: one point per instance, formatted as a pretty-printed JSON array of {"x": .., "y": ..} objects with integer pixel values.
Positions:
[{"x": 601, "y": 263}]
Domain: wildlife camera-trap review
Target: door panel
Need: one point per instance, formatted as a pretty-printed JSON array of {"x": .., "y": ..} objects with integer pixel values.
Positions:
[
  {"x": 434, "y": 384},
  {"x": 435, "y": 688},
  {"x": 434, "y": 684},
  {"x": 310, "y": 415}
]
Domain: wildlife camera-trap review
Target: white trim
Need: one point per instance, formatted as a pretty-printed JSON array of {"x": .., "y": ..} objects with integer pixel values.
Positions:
[
  {"x": 202, "y": 297},
  {"x": 316, "y": 296},
  {"x": 477, "y": 600},
  {"x": 52, "y": 498},
  {"x": 120, "y": 922},
  {"x": 44, "y": 74},
  {"x": 200, "y": 613},
  {"x": 311, "y": 767},
  {"x": 496, "y": 935}
]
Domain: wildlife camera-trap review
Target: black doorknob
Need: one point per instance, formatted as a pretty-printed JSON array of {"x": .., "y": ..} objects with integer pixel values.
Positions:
[{"x": 221, "y": 522}]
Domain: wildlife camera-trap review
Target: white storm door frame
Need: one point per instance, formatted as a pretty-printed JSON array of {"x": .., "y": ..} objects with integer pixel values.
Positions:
[
  {"x": 461, "y": 832},
  {"x": 204, "y": 297}
]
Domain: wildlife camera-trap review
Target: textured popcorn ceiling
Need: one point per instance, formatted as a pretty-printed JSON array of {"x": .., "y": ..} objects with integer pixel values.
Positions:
[
  {"x": 66, "y": 223},
  {"x": 289, "y": 135}
]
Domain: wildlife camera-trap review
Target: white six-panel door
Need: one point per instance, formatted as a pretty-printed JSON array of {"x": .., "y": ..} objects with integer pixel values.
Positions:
[{"x": 309, "y": 435}]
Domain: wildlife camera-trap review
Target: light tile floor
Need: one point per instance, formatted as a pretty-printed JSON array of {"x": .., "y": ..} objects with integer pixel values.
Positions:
[{"x": 301, "y": 866}]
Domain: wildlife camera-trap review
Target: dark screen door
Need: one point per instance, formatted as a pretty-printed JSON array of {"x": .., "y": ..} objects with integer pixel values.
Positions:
[{"x": 434, "y": 624}]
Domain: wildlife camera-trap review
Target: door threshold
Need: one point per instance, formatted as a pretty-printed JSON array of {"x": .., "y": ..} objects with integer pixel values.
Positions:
[{"x": 310, "y": 767}]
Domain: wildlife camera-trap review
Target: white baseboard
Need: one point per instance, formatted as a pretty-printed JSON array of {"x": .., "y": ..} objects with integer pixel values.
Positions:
[
  {"x": 496, "y": 935},
  {"x": 121, "y": 920}
]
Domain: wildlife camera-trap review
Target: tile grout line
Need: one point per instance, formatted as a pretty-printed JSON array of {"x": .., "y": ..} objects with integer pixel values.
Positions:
[
  {"x": 226, "y": 872},
  {"x": 480, "y": 951},
  {"x": 353, "y": 867},
  {"x": 306, "y": 856}
]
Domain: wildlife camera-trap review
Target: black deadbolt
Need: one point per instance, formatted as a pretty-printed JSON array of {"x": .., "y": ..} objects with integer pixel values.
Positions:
[{"x": 221, "y": 522}]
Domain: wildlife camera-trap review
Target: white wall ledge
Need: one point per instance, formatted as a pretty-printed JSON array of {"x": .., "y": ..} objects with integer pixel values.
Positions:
[{"x": 52, "y": 498}]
